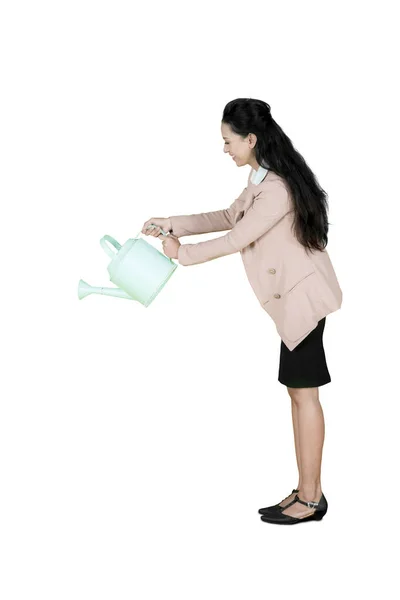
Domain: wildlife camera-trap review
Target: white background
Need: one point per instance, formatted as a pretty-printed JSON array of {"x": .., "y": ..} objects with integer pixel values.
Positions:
[{"x": 136, "y": 445}]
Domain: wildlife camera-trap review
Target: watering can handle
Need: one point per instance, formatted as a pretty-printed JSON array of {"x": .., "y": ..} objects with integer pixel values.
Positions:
[
  {"x": 152, "y": 227},
  {"x": 117, "y": 245},
  {"x": 107, "y": 249}
]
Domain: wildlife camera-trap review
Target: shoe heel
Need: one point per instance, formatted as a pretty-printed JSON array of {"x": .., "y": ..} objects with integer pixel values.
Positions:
[{"x": 319, "y": 514}]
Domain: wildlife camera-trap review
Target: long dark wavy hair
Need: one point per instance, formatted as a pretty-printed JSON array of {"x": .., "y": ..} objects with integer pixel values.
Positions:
[{"x": 274, "y": 150}]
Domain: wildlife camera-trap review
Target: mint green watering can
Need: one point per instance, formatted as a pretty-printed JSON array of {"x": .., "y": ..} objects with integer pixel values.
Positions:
[{"x": 139, "y": 270}]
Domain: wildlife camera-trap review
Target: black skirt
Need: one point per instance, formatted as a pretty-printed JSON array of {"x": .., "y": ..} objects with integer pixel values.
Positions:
[{"x": 305, "y": 366}]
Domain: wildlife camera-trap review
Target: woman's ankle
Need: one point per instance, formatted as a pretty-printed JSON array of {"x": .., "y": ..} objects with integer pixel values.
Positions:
[{"x": 310, "y": 492}]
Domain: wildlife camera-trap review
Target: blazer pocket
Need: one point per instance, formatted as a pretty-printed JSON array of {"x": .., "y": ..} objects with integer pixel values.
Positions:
[
  {"x": 291, "y": 285},
  {"x": 294, "y": 312},
  {"x": 294, "y": 286}
]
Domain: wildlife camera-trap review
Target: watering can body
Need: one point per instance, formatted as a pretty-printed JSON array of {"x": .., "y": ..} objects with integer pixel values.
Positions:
[{"x": 137, "y": 268}]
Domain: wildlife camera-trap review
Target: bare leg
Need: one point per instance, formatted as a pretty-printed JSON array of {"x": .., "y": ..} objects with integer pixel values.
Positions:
[
  {"x": 310, "y": 439},
  {"x": 295, "y": 419}
]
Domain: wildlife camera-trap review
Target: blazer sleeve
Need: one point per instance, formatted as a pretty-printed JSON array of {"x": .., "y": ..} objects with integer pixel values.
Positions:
[
  {"x": 218, "y": 220},
  {"x": 267, "y": 209}
]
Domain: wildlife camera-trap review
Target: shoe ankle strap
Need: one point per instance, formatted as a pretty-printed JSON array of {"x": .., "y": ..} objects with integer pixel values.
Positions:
[{"x": 309, "y": 504}]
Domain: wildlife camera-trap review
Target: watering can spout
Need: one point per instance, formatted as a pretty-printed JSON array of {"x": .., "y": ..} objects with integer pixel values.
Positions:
[{"x": 84, "y": 289}]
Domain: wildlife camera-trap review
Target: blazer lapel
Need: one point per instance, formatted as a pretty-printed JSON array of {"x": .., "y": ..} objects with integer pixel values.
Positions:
[
  {"x": 246, "y": 204},
  {"x": 255, "y": 178}
]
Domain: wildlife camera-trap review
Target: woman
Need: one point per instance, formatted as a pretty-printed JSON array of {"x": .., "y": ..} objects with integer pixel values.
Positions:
[{"x": 279, "y": 225}]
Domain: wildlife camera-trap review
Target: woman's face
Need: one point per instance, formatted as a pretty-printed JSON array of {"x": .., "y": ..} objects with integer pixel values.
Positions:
[{"x": 241, "y": 149}]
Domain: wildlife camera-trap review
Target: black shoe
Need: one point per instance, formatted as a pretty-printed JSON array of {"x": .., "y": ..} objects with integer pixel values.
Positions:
[
  {"x": 275, "y": 508},
  {"x": 278, "y": 517}
]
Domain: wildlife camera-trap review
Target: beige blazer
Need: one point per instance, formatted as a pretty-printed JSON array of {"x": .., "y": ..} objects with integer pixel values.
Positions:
[{"x": 295, "y": 289}]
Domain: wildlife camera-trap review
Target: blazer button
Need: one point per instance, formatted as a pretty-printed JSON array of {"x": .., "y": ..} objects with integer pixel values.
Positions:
[
  {"x": 277, "y": 295},
  {"x": 272, "y": 271}
]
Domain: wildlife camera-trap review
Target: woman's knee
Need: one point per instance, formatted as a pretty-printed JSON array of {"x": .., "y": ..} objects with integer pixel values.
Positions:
[{"x": 299, "y": 395}]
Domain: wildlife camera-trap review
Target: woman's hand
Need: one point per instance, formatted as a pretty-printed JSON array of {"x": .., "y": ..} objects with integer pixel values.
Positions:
[
  {"x": 170, "y": 245},
  {"x": 160, "y": 223}
]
